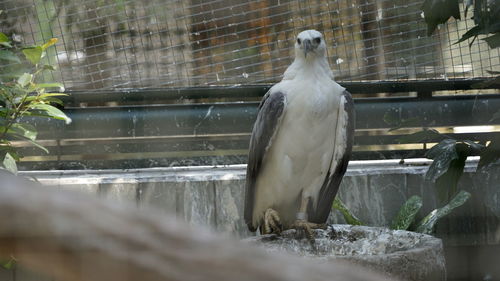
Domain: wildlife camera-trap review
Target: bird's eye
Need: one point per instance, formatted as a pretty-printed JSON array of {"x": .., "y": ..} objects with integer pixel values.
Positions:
[
  {"x": 317, "y": 40},
  {"x": 298, "y": 41}
]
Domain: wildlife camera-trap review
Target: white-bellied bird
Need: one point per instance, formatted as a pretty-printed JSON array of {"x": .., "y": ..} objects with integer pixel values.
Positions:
[{"x": 300, "y": 145}]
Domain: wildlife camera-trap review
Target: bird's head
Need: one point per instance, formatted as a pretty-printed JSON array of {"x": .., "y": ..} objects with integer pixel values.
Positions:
[{"x": 310, "y": 44}]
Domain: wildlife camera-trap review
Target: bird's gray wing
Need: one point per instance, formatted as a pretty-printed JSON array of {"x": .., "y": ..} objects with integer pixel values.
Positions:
[
  {"x": 342, "y": 152},
  {"x": 270, "y": 114}
]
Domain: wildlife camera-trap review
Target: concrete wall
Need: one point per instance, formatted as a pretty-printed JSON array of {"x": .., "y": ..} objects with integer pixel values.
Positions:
[{"x": 373, "y": 190}]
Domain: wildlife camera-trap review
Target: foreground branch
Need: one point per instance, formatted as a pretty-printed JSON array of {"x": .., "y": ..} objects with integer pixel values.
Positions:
[{"x": 79, "y": 237}]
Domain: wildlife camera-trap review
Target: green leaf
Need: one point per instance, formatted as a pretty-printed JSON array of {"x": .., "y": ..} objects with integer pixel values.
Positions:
[
  {"x": 3, "y": 37},
  {"x": 495, "y": 81},
  {"x": 47, "y": 98},
  {"x": 473, "y": 32},
  {"x": 52, "y": 112},
  {"x": 6, "y": 44},
  {"x": 8, "y": 264},
  {"x": 490, "y": 155},
  {"x": 473, "y": 147},
  {"x": 447, "y": 184},
  {"x": 407, "y": 213},
  {"x": 25, "y": 79},
  {"x": 427, "y": 224},
  {"x": 9, "y": 56},
  {"x": 26, "y": 130},
  {"x": 53, "y": 100},
  {"x": 448, "y": 165},
  {"x": 33, "y": 54},
  {"x": 439, "y": 11},
  {"x": 32, "y": 141},
  {"x": 9, "y": 163},
  {"x": 348, "y": 216},
  {"x": 443, "y": 154},
  {"x": 493, "y": 41}
]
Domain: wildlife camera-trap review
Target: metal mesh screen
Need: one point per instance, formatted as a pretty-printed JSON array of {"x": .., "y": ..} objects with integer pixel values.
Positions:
[{"x": 167, "y": 43}]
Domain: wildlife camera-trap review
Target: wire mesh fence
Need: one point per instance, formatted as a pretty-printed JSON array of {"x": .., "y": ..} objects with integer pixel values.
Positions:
[{"x": 120, "y": 44}]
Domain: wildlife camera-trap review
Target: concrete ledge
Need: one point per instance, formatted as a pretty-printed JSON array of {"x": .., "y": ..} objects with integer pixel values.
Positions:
[{"x": 206, "y": 173}]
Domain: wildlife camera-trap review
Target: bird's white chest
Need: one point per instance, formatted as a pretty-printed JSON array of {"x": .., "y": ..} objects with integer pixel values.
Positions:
[{"x": 314, "y": 105}]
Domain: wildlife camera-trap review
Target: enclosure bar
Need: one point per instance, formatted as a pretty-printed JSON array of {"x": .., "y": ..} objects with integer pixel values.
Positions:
[{"x": 146, "y": 96}]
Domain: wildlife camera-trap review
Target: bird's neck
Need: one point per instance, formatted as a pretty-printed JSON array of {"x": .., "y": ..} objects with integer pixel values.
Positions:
[{"x": 314, "y": 66}]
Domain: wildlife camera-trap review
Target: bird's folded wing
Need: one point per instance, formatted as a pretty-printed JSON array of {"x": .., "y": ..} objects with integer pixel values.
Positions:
[
  {"x": 271, "y": 110},
  {"x": 343, "y": 147}
]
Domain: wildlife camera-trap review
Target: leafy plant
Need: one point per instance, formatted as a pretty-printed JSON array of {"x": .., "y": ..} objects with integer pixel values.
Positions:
[
  {"x": 486, "y": 16},
  {"x": 405, "y": 218},
  {"x": 407, "y": 213},
  {"x": 348, "y": 216},
  {"x": 448, "y": 166},
  {"x": 427, "y": 224},
  {"x": 9, "y": 264},
  {"x": 22, "y": 95}
]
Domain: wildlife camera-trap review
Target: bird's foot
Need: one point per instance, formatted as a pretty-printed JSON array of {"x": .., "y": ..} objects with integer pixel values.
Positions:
[
  {"x": 272, "y": 222},
  {"x": 307, "y": 227}
]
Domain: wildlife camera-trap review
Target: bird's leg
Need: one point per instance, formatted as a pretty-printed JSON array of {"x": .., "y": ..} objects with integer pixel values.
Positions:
[
  {"x": 272, "y": 222},
  {"x": 302, "y": 224}
]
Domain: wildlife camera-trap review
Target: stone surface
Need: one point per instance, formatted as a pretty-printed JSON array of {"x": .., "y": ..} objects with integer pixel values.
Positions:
[
  {"x": 119, "y": 191},
  {"x": 417, "y": 185},
  {"x": 352, "y": 192},
  {"x": 229, "y": 204},
  {"x": 385, "y": 197},
  {"x": 160, "y": 195},
  {"x": 197, "y": 203},
  {"x": 401, "y": 254},
  {"x": 90, "y": 188}
]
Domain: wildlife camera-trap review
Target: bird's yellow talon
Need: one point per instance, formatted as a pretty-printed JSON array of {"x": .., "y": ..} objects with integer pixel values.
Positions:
[{"x": 272, "y": 222}]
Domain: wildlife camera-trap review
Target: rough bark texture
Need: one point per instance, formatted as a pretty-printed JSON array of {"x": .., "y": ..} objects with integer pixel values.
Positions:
[{"x": 77, "y": 237}]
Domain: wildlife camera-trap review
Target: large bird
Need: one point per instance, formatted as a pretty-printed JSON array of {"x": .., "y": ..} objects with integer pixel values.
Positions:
[{"x": 300, "y": 144}]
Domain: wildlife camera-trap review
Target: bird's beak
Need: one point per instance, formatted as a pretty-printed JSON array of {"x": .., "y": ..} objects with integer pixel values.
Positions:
[{"x": 307, "y": 47}]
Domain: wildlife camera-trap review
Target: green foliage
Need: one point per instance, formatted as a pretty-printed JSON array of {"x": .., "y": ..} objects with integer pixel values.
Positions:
[
  {"x": 449, "y": 161},
  {"x": 8, "y": 264},
  {"x": 348, "y": 216},
  {"x": 407, "y": 213},
  {"x": 22, "y": 95},
  {"x": 486, "y": 16},
  {"x": 449, "y": 156},
  {"x": 437, "y": 12},
  {"x": 405, "y": 218},
  {"x": 428, "y": 223}
]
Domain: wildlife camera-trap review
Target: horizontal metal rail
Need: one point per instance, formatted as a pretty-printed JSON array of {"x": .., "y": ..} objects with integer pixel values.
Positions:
[
  {"x": 238, "y": 92},
  {"x": 217, "y": 133}
]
